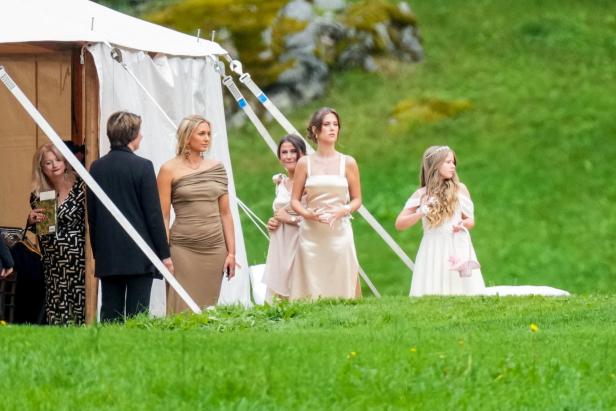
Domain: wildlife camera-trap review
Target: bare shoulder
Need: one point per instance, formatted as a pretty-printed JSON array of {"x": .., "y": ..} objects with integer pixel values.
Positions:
[
  {"x": 464, "y": 189},
  {"x": 170, "y": 166},
  {"x": 302, "y": 162},
  {"x": 349, "y": 161}
]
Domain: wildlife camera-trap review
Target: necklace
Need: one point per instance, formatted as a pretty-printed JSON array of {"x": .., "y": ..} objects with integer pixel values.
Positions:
[
  {"x": 327, "y": 164},
  {"x": 190, "y": 165}
]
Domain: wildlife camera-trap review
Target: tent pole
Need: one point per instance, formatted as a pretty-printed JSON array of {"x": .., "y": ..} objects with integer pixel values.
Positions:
[{"x": 95, "y": 187}]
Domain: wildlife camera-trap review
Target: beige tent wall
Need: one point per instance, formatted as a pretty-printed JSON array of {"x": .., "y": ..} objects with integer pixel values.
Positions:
[{"x": 44, "y": 75}]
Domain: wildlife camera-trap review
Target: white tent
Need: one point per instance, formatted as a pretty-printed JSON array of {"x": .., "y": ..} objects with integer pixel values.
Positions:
[{"x": 46, "y": 46}]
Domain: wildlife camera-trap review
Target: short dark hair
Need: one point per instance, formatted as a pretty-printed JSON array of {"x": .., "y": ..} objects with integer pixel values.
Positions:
[
  {"x": 316, "y": 121},
  {"x": 122, "y": 128},
  {"x": 297, "y": 142}
]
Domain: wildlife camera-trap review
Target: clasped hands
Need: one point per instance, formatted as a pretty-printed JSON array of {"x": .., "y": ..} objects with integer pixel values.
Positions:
[
  {"x": 328, "y": 215},
  {"x": 281, "y": 216}
]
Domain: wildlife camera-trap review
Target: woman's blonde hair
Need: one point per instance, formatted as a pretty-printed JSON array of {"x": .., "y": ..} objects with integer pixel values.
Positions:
[
  {"x": 444, "y": 192},
  {"x": 185, "y": 130},
  {"x": 39, "y": 179}
]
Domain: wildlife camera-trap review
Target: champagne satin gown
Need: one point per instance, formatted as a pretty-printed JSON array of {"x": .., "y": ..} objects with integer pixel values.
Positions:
[
  {"x": 325, "y": 264},
  {"x": 197, "y": 242}
]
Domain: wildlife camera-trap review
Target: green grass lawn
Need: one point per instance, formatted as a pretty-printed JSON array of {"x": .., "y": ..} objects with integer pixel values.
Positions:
[
  {"x": 534, "y": 149},
  {"x": 394, "y": 353}
]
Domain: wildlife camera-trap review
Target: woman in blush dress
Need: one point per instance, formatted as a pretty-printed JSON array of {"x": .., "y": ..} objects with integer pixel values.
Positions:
[
  {"x": 202, "y": 238},
  {"x": 326, "y": 263},
  {"x": 284, "y": 225}
]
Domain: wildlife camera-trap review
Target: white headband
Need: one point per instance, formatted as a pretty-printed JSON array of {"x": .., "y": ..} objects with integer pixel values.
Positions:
[{"x": 441, "y": 148}]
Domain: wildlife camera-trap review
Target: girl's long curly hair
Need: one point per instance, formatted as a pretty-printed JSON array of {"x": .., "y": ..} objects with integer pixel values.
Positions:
[{"x": 442, "y": 194}]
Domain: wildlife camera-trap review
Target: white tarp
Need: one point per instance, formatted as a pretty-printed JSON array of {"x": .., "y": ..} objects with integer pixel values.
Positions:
[
  {"x": 182, "y": 86},
  {"x": 85, "y": 21}
]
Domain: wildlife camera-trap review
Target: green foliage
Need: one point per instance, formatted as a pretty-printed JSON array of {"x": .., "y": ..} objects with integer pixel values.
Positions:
[
  {"x": 534, "y": 149},
  {"x": 395, "y": 353}
]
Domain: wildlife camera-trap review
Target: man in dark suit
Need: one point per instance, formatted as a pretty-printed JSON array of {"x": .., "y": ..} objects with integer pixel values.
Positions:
[{"x": 125, "y": 272}]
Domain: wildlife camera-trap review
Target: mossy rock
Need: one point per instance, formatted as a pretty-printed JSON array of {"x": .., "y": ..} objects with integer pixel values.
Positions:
[
  {"x": 429, "y": 110},
  {"x": 364, "y": 15},
  {"x": 246, "y": 20},
  {"x": 282, "y": 28}
]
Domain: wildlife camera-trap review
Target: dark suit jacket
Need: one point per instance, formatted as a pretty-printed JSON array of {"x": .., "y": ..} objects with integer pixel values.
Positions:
[
  {"x": 6, "y": 261},
  {"x": 130, "y": 182}
]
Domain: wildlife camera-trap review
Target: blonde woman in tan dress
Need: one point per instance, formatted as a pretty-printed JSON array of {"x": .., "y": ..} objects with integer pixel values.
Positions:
[
  {"x": 201, "y": 240},
  {"x": 326, "y": 263}
]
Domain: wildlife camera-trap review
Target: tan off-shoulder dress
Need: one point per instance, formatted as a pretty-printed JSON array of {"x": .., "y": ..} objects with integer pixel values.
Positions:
[{"x": 197, "y": 242}]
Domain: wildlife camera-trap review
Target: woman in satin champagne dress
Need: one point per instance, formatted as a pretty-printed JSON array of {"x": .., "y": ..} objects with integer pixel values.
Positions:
[
  {"x": 202, "y": 240},
  {"x": 284, "y": 225},
  {"x": 325, "y": 264}
]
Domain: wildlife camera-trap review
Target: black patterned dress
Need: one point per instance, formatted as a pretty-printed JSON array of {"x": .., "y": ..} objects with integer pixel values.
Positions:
[{"x": 64, "y": 260}]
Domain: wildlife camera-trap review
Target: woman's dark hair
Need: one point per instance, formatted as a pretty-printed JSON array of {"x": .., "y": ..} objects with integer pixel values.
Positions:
[
  {"x": 297, "y": 142},
  {"x": 122, "y": 128},
  {"x": 316, "y": 121}
]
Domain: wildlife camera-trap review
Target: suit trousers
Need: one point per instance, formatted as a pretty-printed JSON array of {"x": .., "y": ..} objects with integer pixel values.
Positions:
[{"x": 125, "y": 296}]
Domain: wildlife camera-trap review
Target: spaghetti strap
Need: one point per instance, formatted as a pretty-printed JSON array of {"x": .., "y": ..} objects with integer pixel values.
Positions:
[
  {"x": 342, "y": 164},
  {"x": 308, "y": 164}
]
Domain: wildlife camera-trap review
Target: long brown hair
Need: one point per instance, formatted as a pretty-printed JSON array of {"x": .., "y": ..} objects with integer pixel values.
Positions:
[
  {"x": 443, "y": 191},
  {"x": 185, "y": 130},
  {"x": 40, "y": 182}
]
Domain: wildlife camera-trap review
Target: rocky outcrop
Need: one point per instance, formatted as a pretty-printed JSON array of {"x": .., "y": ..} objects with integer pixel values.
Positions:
[{"x": 290, "y": 47}]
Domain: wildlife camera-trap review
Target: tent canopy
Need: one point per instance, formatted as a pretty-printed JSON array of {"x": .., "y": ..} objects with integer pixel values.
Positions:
[{"x": 85, "y": 21}]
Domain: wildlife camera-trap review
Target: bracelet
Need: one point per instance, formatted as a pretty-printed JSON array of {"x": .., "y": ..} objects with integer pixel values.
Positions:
[{"x": 230, "y": 255}]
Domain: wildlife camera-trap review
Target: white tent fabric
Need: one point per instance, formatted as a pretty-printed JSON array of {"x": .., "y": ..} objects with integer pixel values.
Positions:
[
  {"x": 181, "y": 86},
  {"x": 86, "y": 21},
  {"x": 180, "y": 76}
]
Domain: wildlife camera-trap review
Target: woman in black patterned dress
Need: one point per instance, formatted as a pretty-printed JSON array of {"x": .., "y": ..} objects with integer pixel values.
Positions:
[{"x": 63, "y": 251}]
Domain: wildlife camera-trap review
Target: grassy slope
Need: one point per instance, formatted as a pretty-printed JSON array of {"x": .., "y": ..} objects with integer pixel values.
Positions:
[
  {"x": 534, "y": 150},
  {"x": 432, "y": 353}
]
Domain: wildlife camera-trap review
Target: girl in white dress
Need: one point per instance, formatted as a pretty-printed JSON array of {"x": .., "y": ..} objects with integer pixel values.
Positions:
[
  {"x": 446, "y": 263},
  {"x": 283, "y": 226},
  {"x": 325, "y": 264}
]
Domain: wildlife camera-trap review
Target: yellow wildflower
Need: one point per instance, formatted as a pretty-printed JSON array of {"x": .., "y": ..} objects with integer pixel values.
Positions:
[
  {"x": 413, "y": 349},
  {"x": 352, "y": 354},
  {"x": 534, "y": 327}
]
